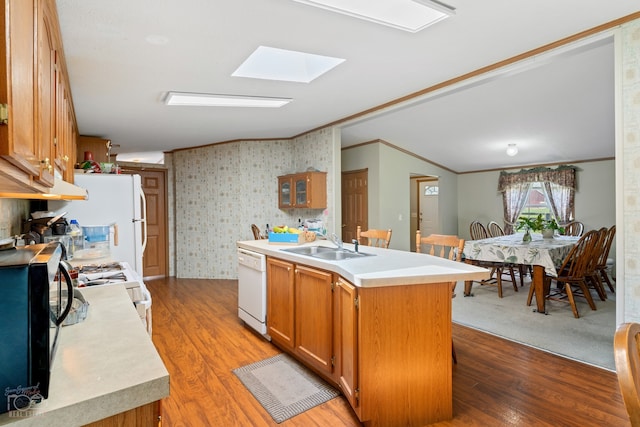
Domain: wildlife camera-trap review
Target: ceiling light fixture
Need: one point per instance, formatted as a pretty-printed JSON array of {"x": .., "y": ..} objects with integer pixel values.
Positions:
[
  {"x": 512, "y": 150},
  {"x": 213, "y": 100},
  {"x": 407, "y": 15}
]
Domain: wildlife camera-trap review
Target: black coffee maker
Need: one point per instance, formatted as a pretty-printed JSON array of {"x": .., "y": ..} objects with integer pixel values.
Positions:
[{"x": 36, "y": 229}]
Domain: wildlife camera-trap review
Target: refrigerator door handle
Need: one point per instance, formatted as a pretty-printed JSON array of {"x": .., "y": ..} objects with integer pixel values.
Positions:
[{"x": 144, "y": 219}]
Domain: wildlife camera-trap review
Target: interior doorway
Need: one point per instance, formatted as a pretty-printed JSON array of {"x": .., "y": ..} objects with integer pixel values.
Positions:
[
  {"x": 355, "y": 210},
  {"x": 424, "y": 207},
  {"x": 154, "y": 184}
]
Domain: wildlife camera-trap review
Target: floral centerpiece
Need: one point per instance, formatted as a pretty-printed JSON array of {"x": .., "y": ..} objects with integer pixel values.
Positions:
[{"x": 538, "y": 224}]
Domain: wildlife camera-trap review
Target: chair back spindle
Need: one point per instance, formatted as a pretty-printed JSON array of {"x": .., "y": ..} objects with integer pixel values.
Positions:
[{"x": 378, "y": 238}]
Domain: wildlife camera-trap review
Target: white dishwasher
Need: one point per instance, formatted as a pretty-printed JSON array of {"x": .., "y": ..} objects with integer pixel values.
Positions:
[{"x": 252, "y": 290}]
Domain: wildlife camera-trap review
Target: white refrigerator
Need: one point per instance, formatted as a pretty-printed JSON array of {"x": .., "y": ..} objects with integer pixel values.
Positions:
[{"x": 113, "y": 199}]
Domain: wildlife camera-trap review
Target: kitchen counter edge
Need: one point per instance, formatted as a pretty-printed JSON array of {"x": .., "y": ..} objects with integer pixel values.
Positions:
[
  {"x": 387, "y": 267},
  {"x": 103, "y": 366}
]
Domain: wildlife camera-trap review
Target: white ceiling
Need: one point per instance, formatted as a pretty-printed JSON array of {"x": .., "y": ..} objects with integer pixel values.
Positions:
[{"x": 123, "y": 56}]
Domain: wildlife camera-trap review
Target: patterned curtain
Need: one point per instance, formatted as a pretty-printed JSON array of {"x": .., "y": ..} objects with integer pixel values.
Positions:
[
  {"x": 561, "y": 200},
  {"x": 514, "y": 198},
  {"x": 559, "y": 183}
]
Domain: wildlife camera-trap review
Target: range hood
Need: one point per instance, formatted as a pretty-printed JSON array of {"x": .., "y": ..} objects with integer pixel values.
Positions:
[{"x": 61, "y": 190}]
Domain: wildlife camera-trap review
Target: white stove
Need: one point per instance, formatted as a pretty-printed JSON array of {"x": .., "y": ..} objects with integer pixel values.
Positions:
[
  {"x": 106, "y": 274},
  {"x": 118, "y": 273}
]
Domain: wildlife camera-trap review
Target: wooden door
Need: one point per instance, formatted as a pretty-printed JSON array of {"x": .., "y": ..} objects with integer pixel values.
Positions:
[
  {"x": 428, "y": 217},
  {"x": 355, "y": 209},
  {"x": 154, "y": 185},
  {"x": 314, "y": 317}
]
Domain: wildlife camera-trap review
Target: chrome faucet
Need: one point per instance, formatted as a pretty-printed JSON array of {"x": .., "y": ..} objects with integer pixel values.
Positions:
[
  {"x": 336, "y": 241},
  {"x": 355, "y": 244}
]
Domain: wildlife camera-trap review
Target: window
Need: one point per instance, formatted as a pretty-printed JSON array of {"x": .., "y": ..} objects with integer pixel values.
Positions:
[
  {"x": 431, "y": 190},
  {"x": 537, "y": 202}
]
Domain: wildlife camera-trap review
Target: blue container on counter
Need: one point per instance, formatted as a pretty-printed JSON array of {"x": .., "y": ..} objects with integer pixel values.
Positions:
[{"x": 96, "y": 233}]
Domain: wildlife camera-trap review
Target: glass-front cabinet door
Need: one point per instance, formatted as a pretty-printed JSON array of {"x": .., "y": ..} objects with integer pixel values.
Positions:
[
  {"x": 285, "y": 192},
  {"x": 300, "y": 183}
]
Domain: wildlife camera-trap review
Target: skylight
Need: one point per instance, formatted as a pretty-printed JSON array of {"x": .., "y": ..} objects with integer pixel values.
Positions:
[{"x": 271, "y": 63}]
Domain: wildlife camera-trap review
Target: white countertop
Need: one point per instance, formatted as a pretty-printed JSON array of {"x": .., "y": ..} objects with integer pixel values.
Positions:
[
  {"x": 103, "y": 366},
  {"x": 388, "y": 267}
]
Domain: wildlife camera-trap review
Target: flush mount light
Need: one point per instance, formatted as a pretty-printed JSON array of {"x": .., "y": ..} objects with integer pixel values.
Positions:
[
  {"x": 213, "y": 100},
  {"x": 512, "y": 150},
  {"x": 271, "y": 63},
  {"x": 407, "y": 15}
]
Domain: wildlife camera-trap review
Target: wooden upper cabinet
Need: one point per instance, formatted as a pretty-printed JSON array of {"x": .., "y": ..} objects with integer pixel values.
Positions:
[
  {"x": 18, "y": 80},
  {"x": 37, "y": 134},
  {"x": 303, "y": 190}
]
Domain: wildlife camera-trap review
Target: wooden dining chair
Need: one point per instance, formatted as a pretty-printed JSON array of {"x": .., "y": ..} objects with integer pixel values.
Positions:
[
  {"x": 443, "y": 246},
  {"x": 626, "y": 352},
  {"x": 256, "y": 232},
  {"x": 494, "y": 229},
  {"x": 477, "y": 231},
  {"x": 594, "y": 279},
  {"x": 378, "y": 238},
  {"x": 498, "y": 269},
  {"x": 572, "y": 274},
  {"x": 602, "y": 266},
  {"x": 574, "y": 228}
]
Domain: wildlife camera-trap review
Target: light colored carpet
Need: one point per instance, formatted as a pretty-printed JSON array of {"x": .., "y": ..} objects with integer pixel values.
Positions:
[
  {"x": 588, "y": 339},
  {"x": 284, "y": 387}
]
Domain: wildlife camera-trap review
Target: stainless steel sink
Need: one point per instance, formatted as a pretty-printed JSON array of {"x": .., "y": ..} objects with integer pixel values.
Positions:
[{"x": 329, "y": 254}]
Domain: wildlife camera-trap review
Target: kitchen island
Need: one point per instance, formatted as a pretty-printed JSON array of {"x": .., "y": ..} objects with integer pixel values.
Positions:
[
  {"x": 106, "y": 370},
  {"x": 378, "y": 326}
]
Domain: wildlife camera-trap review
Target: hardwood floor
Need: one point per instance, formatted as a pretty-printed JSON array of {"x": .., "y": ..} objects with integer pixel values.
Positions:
[{"x": 495, "y": 383}]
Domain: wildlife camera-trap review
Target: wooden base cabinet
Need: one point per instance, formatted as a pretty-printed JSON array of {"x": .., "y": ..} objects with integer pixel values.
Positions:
[
  {"x": 146, "y": 415},
  {"x": 300, "y": 312},
  {"x": 387, "y": 348}
]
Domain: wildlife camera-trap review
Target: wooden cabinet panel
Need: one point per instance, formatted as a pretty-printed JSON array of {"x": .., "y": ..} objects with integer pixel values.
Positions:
[
  {"x": 46, "y": 92},
  {"x": 146, "y": 415},
  {"x": 18, "y": 144},
  {"x": 314, "y": 317},
  {"x": 347, "y": 341},
  {"x": 280, "y": 302},
  {"x": 65, "y": 139}
]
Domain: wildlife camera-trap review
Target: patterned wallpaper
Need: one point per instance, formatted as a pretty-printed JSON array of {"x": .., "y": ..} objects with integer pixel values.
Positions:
[
  {"x": 631, "y": 168},
  {"x": 221, "y": 189}
]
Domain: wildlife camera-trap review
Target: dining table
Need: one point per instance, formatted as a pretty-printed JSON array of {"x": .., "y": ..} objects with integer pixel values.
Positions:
[{"x": 541, "y": 253}]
